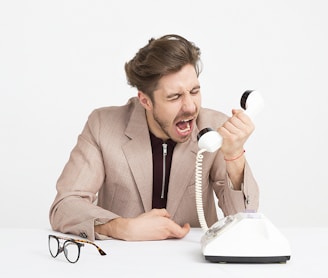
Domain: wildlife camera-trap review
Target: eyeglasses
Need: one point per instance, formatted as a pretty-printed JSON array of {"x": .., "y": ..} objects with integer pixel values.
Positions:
[{"x": 71, "y": 247}]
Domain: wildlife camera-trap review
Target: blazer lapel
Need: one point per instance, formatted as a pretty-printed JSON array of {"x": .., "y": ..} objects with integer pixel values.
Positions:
[
  {"x": 182, "y": 169},
  {"x": 138, "y": 154}
]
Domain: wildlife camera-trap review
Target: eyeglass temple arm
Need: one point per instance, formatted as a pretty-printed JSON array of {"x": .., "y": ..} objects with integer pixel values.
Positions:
[{"x": 101, "y": 252}]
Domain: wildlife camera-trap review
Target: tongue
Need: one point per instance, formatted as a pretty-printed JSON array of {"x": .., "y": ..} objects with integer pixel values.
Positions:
[{"x": 183, "y": 125}]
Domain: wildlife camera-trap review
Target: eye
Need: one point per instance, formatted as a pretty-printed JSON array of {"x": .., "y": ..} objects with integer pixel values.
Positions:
[
  {"x": 174, "y": 97},
  {"x": 195, "y": 91}
]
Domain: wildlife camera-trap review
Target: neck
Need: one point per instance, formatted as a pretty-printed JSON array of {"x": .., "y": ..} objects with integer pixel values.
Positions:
[{"x": 154, "y": 127}]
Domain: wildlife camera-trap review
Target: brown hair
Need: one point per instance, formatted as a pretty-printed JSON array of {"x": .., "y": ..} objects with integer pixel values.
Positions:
[{"x": 158, "y": 58}]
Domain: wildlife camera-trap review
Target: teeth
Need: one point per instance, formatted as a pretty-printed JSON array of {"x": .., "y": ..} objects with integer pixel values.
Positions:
[{"x": 187, "y": 127}]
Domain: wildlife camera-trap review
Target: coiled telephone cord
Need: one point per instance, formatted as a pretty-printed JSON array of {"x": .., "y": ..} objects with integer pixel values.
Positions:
[{"x": 198, "y": 190}]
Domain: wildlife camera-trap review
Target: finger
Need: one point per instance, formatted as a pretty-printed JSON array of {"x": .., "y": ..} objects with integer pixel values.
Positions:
[
  {"x": 224, "y": 132},
  {"x": 234, "y": 125},
  {"x": 232, "y": 130},
  {"x": 239, "y": 124},
  {"x": 247, "y": 124},
  {"x": 161, "y": 212},
  {"x": 240, "y": 114},
  {"x": 178, "y": 231},
  {"x": 236, "y": 111},
  {"x": 186, "y": 228}
]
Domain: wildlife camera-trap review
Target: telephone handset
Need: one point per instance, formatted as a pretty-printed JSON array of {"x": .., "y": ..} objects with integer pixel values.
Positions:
[
  {"x": 243, "y": 237},
  {"x": 211, "y": 140}
]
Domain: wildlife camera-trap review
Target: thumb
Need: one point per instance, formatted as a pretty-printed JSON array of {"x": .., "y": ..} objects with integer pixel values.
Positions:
[
  {"x": 161, "y": 212},
  {"x": 236, "y": 111}
]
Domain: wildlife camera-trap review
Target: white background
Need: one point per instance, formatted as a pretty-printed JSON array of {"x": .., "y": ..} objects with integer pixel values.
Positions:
[{"x": 61, "y": 59}]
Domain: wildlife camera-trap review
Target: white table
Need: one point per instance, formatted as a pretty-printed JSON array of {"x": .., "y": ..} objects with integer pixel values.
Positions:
[{"x": 24, "y": 253}]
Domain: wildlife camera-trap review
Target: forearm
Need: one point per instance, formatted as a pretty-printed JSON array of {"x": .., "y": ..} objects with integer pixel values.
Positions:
[
  {"x": 77, "y": 216},
  {"x": 235, "y": 169},
  {"x": 235, "y": 187},
  {"x": 153, "y": 225},
  {"x": 116, "y": 228}
]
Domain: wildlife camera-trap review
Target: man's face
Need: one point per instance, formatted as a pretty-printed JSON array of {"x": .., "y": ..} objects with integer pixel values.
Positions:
[{"x": 176, "y": 105}]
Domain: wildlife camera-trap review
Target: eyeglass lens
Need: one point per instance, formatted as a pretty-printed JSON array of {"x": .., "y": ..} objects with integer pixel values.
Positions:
[
  {"x": 53, "y": 246},
  {"x": 71, "y": 251},
  {"x": 70, "y": 248}
]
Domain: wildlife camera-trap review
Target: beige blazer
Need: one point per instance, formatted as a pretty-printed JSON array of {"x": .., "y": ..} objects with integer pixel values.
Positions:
[{"x": 109, "y": 174}]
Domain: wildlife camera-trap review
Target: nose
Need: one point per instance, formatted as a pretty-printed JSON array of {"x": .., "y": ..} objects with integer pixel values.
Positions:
[{"x": 188, "y": 105}]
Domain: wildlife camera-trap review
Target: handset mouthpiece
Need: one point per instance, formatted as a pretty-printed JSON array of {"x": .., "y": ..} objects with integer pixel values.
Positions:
[{"x": 209, "y": 139}]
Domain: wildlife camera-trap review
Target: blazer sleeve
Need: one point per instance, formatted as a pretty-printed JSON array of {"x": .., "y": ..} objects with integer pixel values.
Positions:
[{"x": 73, "y": 210}]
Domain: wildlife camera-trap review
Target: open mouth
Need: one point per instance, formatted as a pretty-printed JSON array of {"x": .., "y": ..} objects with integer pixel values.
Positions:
[{"x": 184, "y": 126}]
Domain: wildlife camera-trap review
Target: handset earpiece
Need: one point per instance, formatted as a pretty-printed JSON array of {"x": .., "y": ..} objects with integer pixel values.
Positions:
[
  {"x": 210, "y": 140},
  {"x": 252, "y": 102}
]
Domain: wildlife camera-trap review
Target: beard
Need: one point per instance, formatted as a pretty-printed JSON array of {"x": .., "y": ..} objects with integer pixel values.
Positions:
[{"x": 165, "y": 127}]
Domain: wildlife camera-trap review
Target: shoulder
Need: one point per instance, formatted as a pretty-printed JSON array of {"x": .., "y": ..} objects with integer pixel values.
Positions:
[
  {"x": 211, "y": 118},
  {"x": 105, "y": 121},
  {"x": 114, "y": 113}
]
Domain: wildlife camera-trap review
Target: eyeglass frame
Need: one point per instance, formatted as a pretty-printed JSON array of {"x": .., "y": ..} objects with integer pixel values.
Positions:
[{"x": 78, "y": 242}]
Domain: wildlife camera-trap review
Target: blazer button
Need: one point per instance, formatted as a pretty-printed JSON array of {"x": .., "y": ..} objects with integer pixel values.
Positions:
[{"x": 83, "y": 234}]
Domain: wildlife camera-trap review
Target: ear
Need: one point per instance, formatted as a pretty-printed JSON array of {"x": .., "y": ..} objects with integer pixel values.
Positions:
[{"x": 145, "y": 101}]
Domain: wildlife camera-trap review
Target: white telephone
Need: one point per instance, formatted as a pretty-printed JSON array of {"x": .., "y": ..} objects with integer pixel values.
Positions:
[{"x": 244, "y": 237}]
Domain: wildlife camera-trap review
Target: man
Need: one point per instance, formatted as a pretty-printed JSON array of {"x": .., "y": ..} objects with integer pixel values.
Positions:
[{"x": 131, "y": 173}]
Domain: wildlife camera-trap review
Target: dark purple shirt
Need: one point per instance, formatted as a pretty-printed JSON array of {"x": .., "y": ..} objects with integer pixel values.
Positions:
[{"x": 159, "y": 158}]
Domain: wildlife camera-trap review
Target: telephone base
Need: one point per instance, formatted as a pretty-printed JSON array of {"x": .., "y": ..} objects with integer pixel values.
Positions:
[
  {"x": 245, "y": 238},
  {"x": 248, "y": 260}
]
